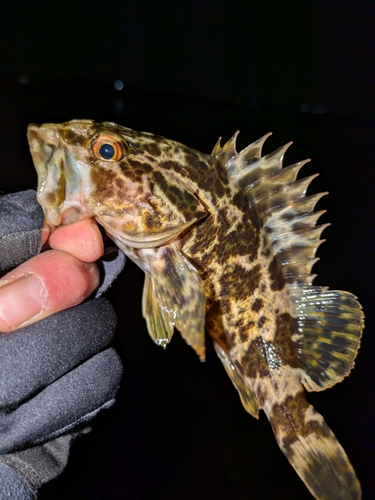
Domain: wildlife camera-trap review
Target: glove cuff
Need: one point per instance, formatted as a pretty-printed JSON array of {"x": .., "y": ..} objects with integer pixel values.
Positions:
[
  {"x": 13, "y": 486},
  {"x": 40, "y": 464}
]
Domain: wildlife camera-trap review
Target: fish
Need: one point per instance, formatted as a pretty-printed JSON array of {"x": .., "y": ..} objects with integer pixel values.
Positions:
[{"x": 227, "y": 242}]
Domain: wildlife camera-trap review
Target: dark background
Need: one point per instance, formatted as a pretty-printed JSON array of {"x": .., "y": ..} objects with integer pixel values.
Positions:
[{"x": 193, "y": 71}]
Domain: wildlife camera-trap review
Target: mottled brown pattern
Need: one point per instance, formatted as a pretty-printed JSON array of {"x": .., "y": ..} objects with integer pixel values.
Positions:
[
  {"x": 261, "y": 321},
  {"x": 170, "y": 165},
  {"x": 222, "y": 175},
  {"x": 240, "y": 202},
  {"x": 73, "y": 138},
  {"x": 289, "y": 418},
  {"x": 232, "y": 286},
  {"x": 119, "y": 183},
  {"x": 243, "y": 334},
  {"x": 184, "y": 202},
  {"x": 151, "y": 223},
  {"x": 134, "y": 169},
  {"x": 254, "y": 361},
  {"x": 278, "y": 280},
  {"x": 203, "y": 235},
  {"x": 243, "y": 327},
  {"x": 246, "y": 237},
  {"x": 103, "y": 181},
  {"x": 257, "y": 305},
  {"x": 153, "y": 149},
  {"x": 286, "y": 326},
  {"x": 191, "y": 157},
  {"x": 214, "y": 323}
]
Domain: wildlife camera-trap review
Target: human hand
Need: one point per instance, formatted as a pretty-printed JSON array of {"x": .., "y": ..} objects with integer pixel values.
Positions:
[
  {"x": 40, "y": 360},
  {"x": 57, "y": 373},
  {"x": 53, "y": 280}
]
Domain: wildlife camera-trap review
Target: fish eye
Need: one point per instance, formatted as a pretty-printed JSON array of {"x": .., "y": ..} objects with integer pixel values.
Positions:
[
  {"x": 108, "y": 147},
  {"x": 107, "y": 151}
]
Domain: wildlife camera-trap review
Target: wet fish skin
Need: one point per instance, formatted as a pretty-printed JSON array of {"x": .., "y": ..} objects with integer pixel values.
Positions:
[{"x": 227, "y": 242}]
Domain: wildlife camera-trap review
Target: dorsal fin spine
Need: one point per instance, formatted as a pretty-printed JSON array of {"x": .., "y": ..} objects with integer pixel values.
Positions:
[
  {"x": 224, "y": 154},
  {"x": 217, "y": 148},
  {"x": 299, "y": 237},
  {"x": 288, "y": 224},
  {"x": 272, "y": 182},
  {"x": 249, "y": 155},
  {"x": 300, "y": 206},
  {"x": 288, "y": 192},
  {"x": 245, "y": 174},
  {"x": 301, "y": 185}
]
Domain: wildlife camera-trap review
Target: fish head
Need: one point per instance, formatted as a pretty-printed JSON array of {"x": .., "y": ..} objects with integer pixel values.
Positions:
[{"x": 114, "y": 174}]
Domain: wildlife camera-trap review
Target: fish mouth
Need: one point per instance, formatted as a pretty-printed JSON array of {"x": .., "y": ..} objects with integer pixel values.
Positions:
[
  {"x": 49, "y": 161},
  {"x": 56, "y": 218},
  {"x": 74, "y": 214}
]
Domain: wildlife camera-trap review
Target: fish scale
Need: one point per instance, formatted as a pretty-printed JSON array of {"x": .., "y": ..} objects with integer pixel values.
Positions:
[{"x": 227, "y": 242}]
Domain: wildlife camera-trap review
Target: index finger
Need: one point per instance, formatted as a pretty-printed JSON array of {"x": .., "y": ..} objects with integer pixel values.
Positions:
[{"x": 81, "y": 239}]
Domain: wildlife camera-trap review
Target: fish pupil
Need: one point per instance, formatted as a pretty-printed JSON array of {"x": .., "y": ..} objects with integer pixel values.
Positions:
[{"x": 107, "y": 152}]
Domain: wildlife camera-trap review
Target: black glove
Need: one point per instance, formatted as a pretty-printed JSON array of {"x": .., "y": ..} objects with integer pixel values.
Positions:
[{"x": 55, "y": 375}]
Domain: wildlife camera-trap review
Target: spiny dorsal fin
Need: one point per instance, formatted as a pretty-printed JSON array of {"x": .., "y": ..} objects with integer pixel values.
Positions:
[{"x": 280, "y": 201}]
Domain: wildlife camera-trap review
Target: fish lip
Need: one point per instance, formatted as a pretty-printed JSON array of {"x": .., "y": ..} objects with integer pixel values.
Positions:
[
  {"x": 42, "y": 139},
  {"x": 33, "y": 139},
  {"x": 46, "y": 134},
  {"x": 32, "y": 128}
]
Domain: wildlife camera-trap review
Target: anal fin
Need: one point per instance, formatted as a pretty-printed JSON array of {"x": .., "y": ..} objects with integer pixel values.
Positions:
[{"x": 247, "y": 397}]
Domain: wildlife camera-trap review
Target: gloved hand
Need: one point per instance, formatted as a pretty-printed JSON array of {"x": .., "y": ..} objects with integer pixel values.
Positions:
[{"x": 56, "y": 374}]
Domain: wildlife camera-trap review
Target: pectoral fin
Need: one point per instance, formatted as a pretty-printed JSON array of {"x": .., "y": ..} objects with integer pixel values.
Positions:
[
  {"x": 173, "y": 295},
  {"x": 159, "y": 320}
]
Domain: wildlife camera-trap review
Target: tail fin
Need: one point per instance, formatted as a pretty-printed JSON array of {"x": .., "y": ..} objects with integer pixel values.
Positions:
[{"x": 313, "y": 450}]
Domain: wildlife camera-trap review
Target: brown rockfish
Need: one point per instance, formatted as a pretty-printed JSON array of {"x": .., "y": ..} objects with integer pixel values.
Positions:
[{"x": 227, "y": 242}]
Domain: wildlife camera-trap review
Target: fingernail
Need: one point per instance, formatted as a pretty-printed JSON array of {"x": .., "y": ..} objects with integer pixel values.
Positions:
[{"x": 20, "y": 301}]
